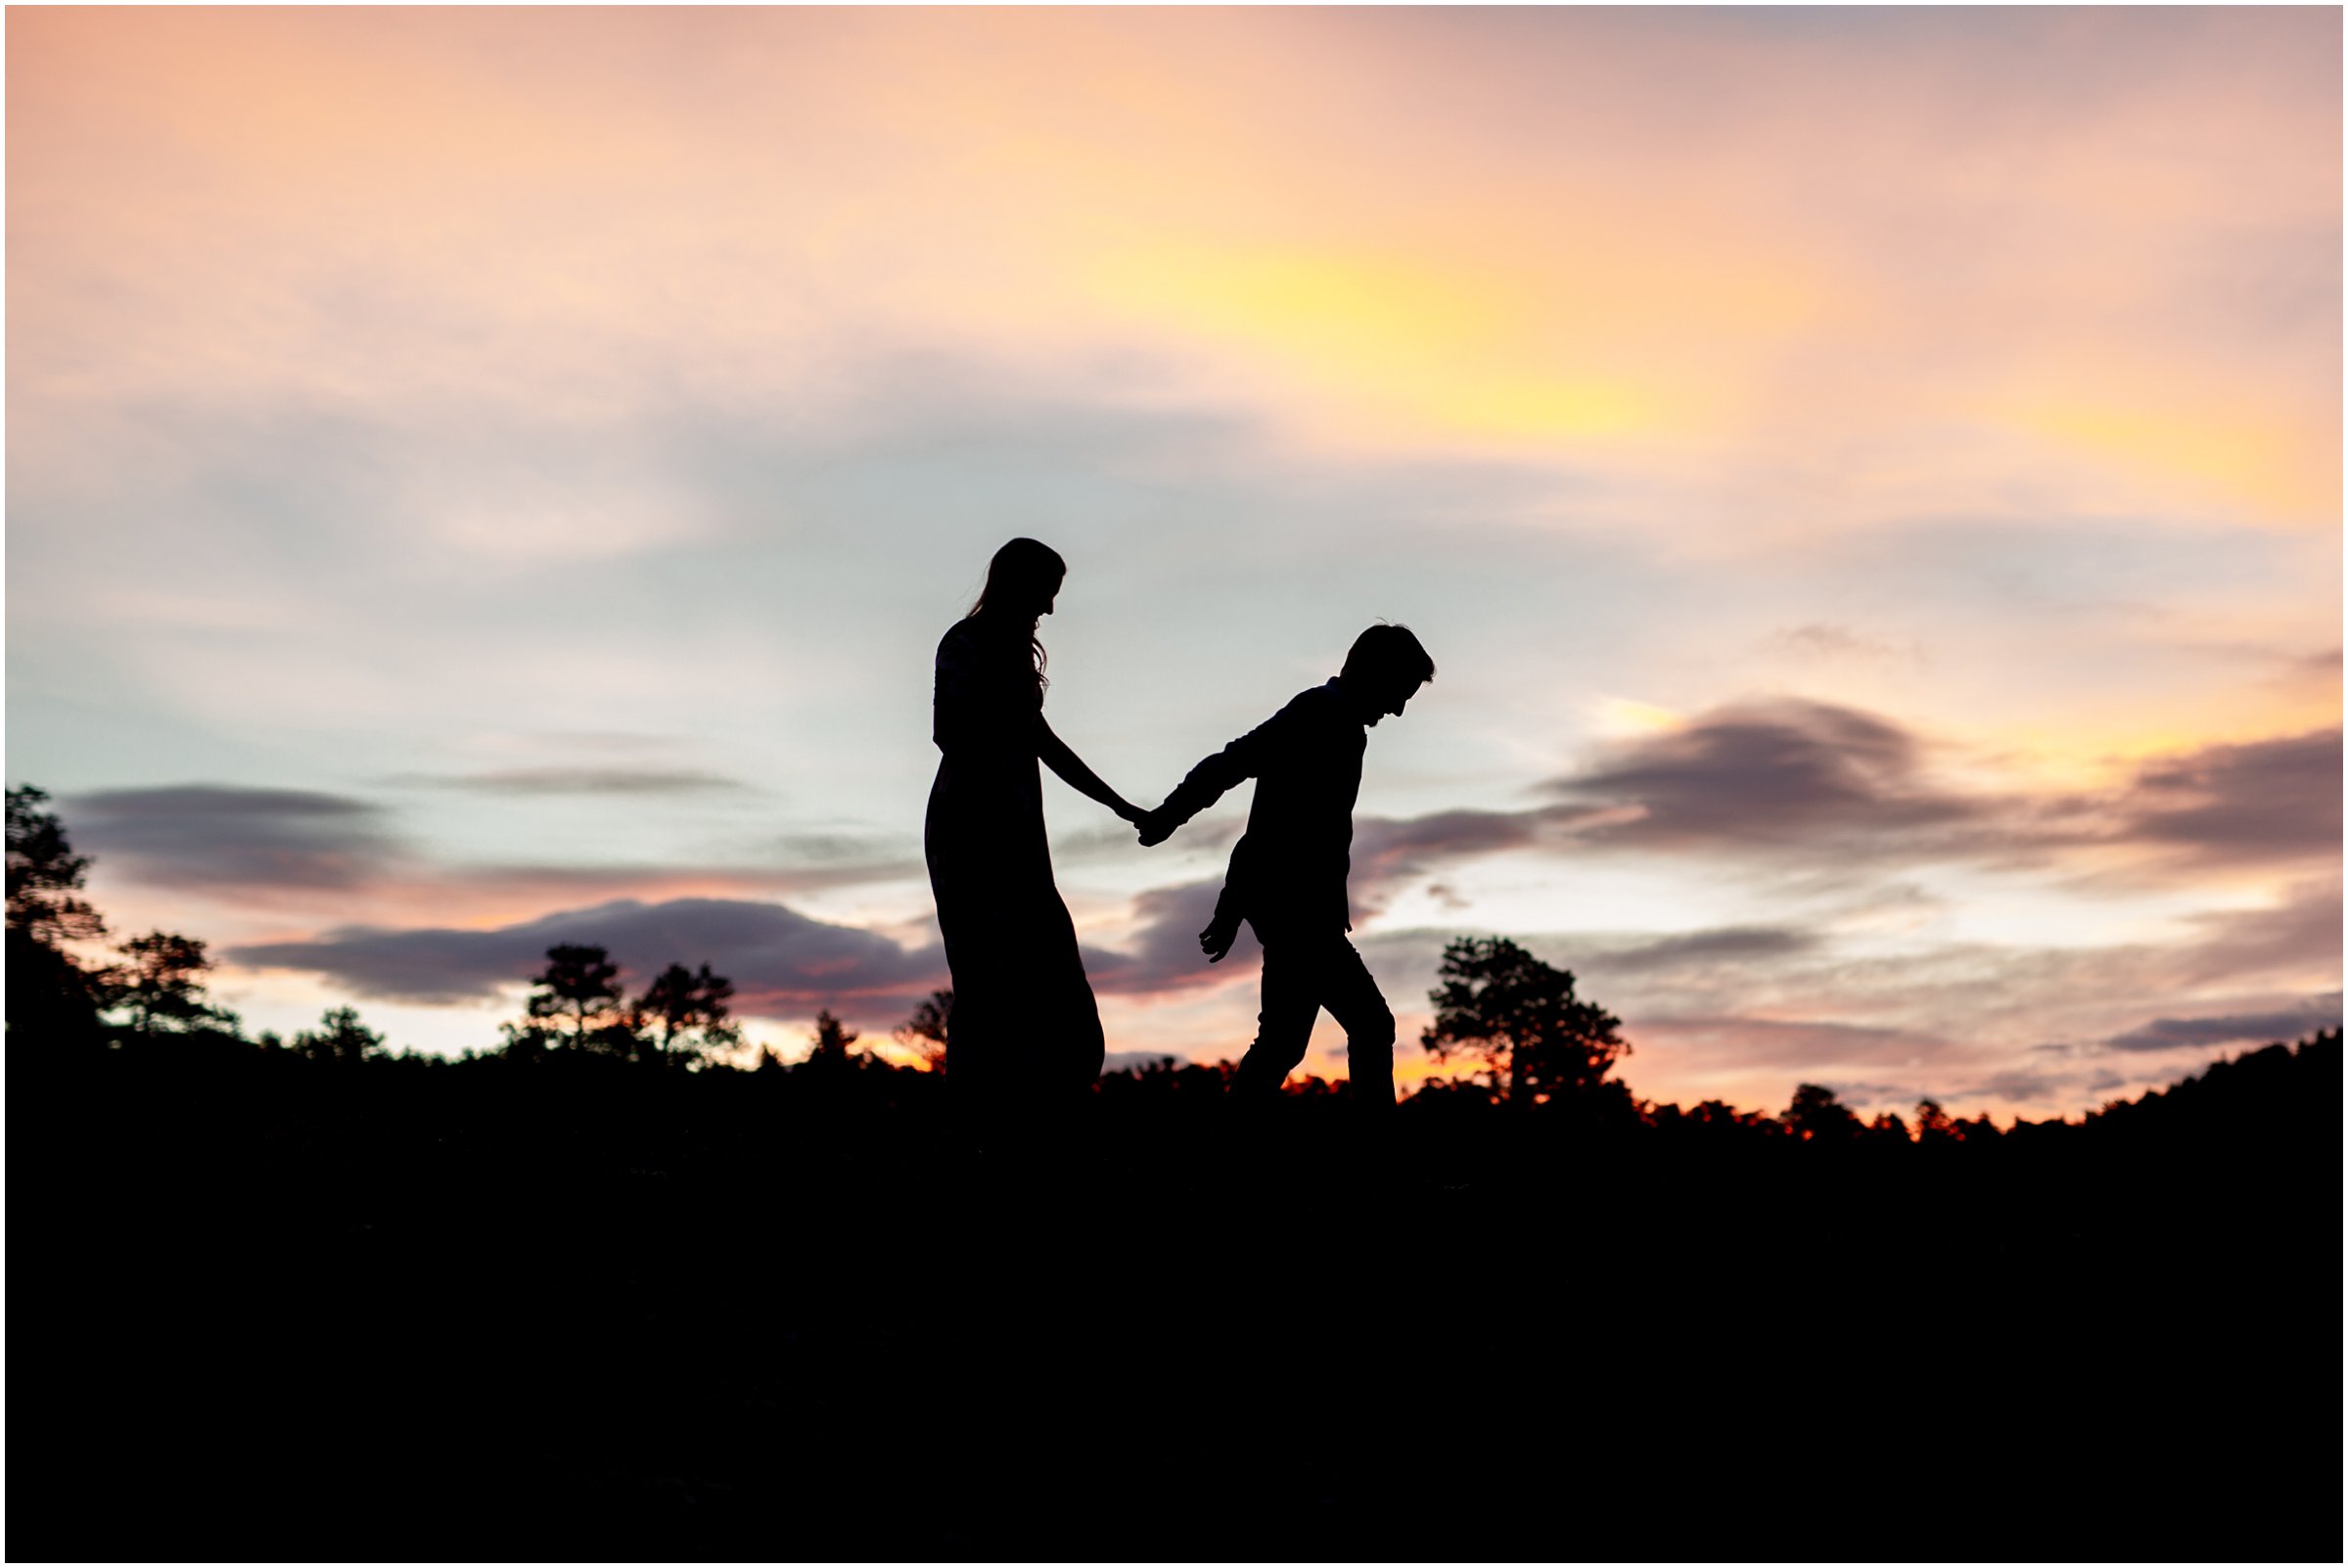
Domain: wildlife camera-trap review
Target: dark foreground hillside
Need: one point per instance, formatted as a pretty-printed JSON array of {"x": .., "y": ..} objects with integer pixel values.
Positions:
[{"x": 270, "y": 1308}]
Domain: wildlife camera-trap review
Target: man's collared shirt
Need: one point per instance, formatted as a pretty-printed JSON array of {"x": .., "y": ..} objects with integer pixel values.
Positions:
[{"x": 1306, "y": 759}]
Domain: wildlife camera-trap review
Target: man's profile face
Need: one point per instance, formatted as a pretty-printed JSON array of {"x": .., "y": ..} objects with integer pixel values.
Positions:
[{"x": 1391, "y": 696}]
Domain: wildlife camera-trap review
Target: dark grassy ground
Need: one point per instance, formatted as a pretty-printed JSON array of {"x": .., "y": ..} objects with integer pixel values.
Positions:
[{"x": 268, "y": 1309}]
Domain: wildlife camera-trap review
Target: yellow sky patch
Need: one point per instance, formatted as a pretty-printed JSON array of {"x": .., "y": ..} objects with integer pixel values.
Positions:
[
  {"x": 2280, "y": 472},
  {"x": 1622, "y": 716},
  {"x": 1594, "y": 347}
]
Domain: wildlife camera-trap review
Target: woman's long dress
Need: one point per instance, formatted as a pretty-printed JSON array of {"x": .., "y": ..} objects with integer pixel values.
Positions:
[{"x": 1024, "y": 1025}]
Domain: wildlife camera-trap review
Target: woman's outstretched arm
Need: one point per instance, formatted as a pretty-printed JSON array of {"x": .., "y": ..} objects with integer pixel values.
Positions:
[{"x": 1053, "y": 753}]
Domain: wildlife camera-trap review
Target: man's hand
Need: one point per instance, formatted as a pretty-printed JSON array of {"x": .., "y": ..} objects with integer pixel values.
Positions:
[
  {"x": 1215, "y": 940},
  {"x": 1155, "y": 827}
]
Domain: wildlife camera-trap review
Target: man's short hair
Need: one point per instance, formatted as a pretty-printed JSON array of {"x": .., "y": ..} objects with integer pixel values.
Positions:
[{"x": 1384, "y": 652}]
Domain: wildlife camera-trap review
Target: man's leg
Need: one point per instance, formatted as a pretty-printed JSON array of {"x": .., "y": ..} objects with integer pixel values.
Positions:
[
  {"x": 1292, "y": 997},
  {"x": 1301, "y": 975},
  {"x": 1355, "y": 1001}
]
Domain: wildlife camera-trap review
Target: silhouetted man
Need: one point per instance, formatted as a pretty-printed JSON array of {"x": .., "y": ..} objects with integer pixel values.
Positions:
[{"x": 1288, "y": 871}]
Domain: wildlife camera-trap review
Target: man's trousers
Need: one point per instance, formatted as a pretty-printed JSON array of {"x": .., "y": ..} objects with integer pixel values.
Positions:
[{"x": 1303, "y": 973}]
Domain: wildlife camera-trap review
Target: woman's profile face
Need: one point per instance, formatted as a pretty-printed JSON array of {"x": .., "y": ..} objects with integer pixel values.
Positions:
[{"x": 1035, "y": 595}]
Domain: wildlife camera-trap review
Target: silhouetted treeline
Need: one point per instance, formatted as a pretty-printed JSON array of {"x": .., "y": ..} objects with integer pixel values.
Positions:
[{"x": 1528, "y": 1043}]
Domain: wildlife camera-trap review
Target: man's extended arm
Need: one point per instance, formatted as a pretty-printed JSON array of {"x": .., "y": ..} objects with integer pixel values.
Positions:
[{"x": 1207, "y": 783}]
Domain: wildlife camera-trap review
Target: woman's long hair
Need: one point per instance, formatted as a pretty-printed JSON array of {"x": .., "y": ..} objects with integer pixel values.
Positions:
[{"x": 1022, "y": 564}]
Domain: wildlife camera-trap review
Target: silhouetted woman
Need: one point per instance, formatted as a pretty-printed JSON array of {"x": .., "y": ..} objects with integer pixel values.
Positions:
[{"x": 1024, "y": 1034}]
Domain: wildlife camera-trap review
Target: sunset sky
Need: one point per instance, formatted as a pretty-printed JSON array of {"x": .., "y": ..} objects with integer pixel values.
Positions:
[{"x": 1869, "y": 481}]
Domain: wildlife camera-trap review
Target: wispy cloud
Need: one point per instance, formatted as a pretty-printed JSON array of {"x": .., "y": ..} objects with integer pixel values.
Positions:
[
  {"x": 782, "y": 963},
  {"x": 224, "y": 840},
  {"x": 225, "y": 837},
  {"x": 625, "y": 781},
  {"x": 1827, "y": 642},
  {"x": 2261, "y": 803},
  {"x": 2200, "y": 1034},
  {"x": 1771, "y": 774},
  {"x": 2298, "y": 935},
  {"x": 1709, "y": 949},
  {"x": 1790, "y": 779}
]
